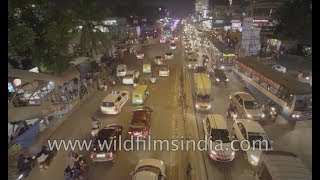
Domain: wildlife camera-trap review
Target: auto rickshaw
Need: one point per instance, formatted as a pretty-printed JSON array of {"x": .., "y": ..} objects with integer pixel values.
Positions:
[{"x": 140, "y": 94}]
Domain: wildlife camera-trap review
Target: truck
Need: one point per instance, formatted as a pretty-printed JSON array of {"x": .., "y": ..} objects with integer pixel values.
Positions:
[
  {"x": 202, "y": 94},
  {"x": 280, "y": 165}
]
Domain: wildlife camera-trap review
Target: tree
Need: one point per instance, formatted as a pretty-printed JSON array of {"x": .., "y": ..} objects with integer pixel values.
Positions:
[
  {"x": 44, "y": 30},
  {"x": 294, "y": 20},
  {"x": 90, "y": 18}
]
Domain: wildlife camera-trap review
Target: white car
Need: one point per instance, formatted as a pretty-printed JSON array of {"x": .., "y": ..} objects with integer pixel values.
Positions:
[
  {"x": 121, "y": 70},
  {"x": 168, "y": 55},
  {"x": 149, "y": 169},
  {"x": 279, "y": 68},
  {"x": 247, "y": 106},
  {"x": 140, "y": 55},
  {"x": 246, "y": 130},
  {"x": 162, "y": 40},
  {"x": 215, "y": 128},
  {"x": 130, "y": 76},
  {"x": 164, "y": 71},
  {"x": 173, "y": 46},
  {"x": 114, "y": 102},
  {"x": 158, "y": 60}
]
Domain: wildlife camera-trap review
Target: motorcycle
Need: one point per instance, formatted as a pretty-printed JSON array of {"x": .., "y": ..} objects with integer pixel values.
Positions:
[
  {"x": 270, "y": 110},
  {"x": 45, "y": 157},
  {"x": 24, "y": 172},
  {"x": 95, "y": 130},
  {"x": 79, "y": 170},
  {"x": 153, "y": 78}
]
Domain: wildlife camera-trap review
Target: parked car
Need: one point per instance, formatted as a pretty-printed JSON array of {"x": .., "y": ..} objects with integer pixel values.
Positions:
[
  {"x": 114, "y": 102},
  {"x": 168, "y": 55},
  {"x": 158, "y": 60},
  {"x": 279, "y": 68},
  {"x": 140, "y": 55},
  {"x": 216, "y": 128},
  {"x": 149, "y": 169},
  {"x": 130, "y": 76},
  {"x": 100, "y": 153},
  {"x": 247, "y": 130},
  {"x": 164, "y": 71},
  {"x": 247, "y": 106},
  {"x": 139, "y": 126},
  {"x": 173, "y": 46}
]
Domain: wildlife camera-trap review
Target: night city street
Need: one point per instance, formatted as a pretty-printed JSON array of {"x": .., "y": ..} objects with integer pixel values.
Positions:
[{"x": 179, "y": 77}]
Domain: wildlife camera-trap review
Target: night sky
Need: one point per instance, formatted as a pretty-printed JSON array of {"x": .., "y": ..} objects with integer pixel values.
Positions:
[{"x": 177, "y": 8}]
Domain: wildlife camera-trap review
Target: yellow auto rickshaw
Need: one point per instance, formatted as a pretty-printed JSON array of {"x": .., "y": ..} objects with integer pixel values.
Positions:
[{"x": 140, "y": 94}]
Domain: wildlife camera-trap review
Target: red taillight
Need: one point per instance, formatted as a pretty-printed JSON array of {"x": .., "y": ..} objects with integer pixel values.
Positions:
[
  {"x": 116, "y": 109},
  {"x": 129, "y": 132}
]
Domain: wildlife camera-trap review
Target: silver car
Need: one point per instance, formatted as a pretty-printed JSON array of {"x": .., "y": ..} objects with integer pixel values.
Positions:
[{"x": 247, "y": 106}]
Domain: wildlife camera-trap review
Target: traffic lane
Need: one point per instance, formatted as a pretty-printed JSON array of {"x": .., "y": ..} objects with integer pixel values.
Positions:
[
  {"x": 77, "y": 126},
  {"x": 229, "y": 170},
  {"x": 162, "y": 101}
]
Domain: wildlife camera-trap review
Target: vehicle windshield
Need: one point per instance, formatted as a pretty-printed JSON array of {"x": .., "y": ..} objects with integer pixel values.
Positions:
[
  {"x": 137, "y": 123},
  {"x": 169, "y": 53},
  {"x": 201, "y": 69},
  {"x": 251, "y": 105},
  {"x": 220, "y": 134},
  {"x": 203, "y": 97},
  {"x": 303, "y": 103},
  {"x": 149, "y": 169},
  {"x": 107, "y": 104},
  {"x": 158, "y": 57},
  {"x": 257, "y": 139},
  {"x": 121, "y": 70}
]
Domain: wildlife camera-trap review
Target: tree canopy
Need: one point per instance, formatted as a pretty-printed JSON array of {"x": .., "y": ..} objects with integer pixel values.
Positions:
[
  {"x": 41, "y": 32},
  {"x": 294, "y": 21}
]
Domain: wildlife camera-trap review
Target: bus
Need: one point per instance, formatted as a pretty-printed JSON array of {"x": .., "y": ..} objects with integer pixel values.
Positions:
[
  {"x": 223, "y": 55},
  {"x": 202, "y": 94},
  {"x": 292, "y": 97}
]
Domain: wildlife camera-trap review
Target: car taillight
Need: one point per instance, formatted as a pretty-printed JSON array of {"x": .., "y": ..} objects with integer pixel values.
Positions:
[
  {"x": 92, "y": 156},
  {"x": 129, "y": 132},
  {"x": 110, "y": 154},
  {"x": 116, "y": 109}
]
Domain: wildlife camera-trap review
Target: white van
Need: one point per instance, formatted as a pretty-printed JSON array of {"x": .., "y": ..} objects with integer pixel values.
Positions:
[
  {"x": 215, "y": 128},
  {"x": 113, "y": 102},
  {"x": 121, "y": 70}
]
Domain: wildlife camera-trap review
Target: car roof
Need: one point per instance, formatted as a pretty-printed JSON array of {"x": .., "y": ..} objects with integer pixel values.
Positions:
[
  {"x": 251, "y": 126},
  {"x": 217, "y": 121},
  {"x": 140, "y": 114},
  {"x": 105, "y": 133},
  {"x": 245, "y": 96},
  {"x": 111, "y": 97}
]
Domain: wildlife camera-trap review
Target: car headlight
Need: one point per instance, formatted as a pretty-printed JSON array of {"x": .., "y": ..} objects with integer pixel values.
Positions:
[
  {"x": 217, "y": 79},
  {"x": 189, "y": 65},
  {"x": 255, "y": 159},
  {"x": 197, "y": 106},
  {"x": 222, "y": 67},
  {"x": 209, "y": 106},
  {"x": 213, "y": 152},
  {"x": 227, "y": 79},
  {"x": 233, "y": 153},
  {"x": 273, "y": 109},
  {"x": 263, "y": 115},
  {"x": 295, "y": 116},
  {"x": 249, "y": 116}
]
